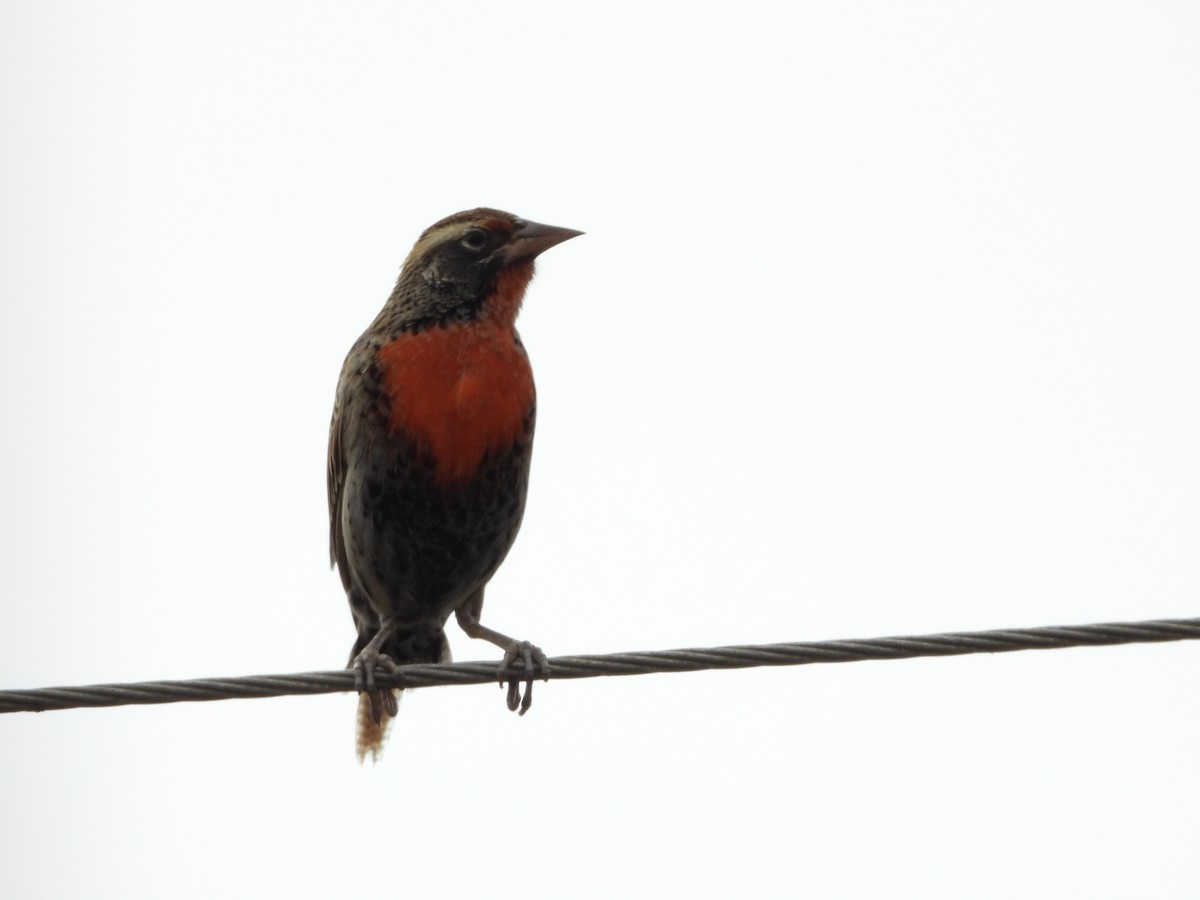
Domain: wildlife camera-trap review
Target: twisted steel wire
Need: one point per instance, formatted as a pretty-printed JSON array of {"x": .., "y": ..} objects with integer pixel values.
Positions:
[{"x": 643, "y": 663}]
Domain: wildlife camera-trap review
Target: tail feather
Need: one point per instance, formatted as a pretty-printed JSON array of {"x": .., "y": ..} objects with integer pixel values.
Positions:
[
  {"x": 371, "y": 734},
  {"x": 407, "y": 647}
]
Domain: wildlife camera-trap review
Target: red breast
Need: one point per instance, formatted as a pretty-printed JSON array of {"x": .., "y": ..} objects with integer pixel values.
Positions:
[{"x": 462, "y": 389}]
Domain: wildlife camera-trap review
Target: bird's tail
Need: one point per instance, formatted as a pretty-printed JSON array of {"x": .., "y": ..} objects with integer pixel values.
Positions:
[
  {"x": 376, "y": 709},
  {"x": 372, "y": 732}
]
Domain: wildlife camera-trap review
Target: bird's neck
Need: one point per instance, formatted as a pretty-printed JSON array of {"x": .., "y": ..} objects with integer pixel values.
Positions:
[{"x": 504, "y": 301}]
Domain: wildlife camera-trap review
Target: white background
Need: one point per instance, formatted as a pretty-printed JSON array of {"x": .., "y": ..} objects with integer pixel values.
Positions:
[{"x": 886, "y": 321}]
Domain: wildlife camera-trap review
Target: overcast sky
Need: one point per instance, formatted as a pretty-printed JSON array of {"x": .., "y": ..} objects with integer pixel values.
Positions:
[{"x": 886, "y": 321}]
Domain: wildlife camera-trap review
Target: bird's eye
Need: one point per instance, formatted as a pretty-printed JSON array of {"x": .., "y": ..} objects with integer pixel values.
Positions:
[{"x": 475, "y": 240}]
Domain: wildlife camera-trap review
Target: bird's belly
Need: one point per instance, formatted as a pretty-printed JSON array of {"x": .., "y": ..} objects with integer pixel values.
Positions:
[{"x": 418, "y": 547}]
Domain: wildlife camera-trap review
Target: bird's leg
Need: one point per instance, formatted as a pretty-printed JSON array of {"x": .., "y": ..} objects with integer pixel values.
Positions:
[
  {"x": 365, "y": 664},
  {"x": 534, "y": 660}
]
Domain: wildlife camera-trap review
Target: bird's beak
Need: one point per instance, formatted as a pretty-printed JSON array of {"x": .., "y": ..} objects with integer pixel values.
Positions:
[{"x": 532, "y": 238}]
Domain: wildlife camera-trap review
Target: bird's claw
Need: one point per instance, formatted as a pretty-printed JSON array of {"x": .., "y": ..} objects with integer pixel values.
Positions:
[
  {"x": 365, "y": 665},
  {"x": 535, "y": 665}
]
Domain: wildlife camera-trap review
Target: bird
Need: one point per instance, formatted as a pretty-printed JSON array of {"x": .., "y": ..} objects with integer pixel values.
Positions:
[{"x": 429, "y": 454}]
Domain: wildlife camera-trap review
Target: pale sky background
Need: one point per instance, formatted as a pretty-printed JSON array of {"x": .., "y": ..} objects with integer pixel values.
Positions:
[{"x": 886, "y": 321}]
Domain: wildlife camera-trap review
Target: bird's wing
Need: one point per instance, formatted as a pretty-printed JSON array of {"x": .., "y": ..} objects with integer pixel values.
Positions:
[{"x": 336, "y": 480}]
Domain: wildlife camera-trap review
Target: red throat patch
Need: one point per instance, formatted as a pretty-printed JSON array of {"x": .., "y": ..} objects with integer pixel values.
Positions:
[
  {"x": 506, "y": 297},
  {"x": 459, "y": 391}
]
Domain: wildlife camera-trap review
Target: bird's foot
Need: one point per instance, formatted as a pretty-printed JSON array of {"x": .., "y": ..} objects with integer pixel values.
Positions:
[
  {"x": 383, "y": 700},
  {"x": 535, "y": 665}
]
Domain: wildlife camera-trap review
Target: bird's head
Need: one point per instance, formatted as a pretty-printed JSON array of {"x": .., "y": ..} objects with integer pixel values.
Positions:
[{"x": 473, "y": 263}]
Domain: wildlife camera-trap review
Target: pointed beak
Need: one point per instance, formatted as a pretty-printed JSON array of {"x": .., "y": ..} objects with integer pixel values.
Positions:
[{"x": 532, "y": 238}]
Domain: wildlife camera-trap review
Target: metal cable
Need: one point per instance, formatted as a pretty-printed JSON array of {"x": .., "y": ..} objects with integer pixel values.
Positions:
[{"x": 738, "y": 657}]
